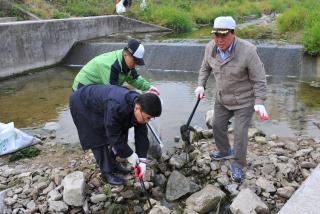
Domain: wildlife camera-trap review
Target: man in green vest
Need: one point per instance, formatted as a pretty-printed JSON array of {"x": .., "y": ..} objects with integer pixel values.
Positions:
[{"x": 116, "y": 68}]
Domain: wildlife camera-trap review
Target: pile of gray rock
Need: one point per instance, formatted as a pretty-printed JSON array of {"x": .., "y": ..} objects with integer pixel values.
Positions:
[{"x": 175, "y": 183}]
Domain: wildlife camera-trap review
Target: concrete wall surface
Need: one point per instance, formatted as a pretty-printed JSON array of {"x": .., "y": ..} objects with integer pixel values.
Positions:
[
  {"x": 278, "y": 60},
  {"x": 29, "y": 45},
  {"x": 306, "y": 199}
]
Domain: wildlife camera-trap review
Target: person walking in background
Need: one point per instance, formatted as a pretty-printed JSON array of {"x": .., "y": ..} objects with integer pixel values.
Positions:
[
  {"x": 240, "y": 90},
  {"x": 116, "y": 68},
  {"x": 103, "y": 115},
  {"x": 122, "y": 5}
]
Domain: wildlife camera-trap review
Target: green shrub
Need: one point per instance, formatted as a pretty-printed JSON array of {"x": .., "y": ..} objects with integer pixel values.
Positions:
[
  {"x": 178, "y": 22},
  {"x": 27, "y": 152},
  {"x": 311, "y": 39},
  {"x": 173, "y": 18},
  {"x": 292, "y": 20}
]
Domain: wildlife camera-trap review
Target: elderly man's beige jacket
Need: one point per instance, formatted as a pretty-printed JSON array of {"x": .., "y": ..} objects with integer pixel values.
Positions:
[{"x": 240, "y": 79}]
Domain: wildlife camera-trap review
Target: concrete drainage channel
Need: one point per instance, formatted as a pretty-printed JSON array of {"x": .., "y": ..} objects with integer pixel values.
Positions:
[{"x": 284, "y": 60}]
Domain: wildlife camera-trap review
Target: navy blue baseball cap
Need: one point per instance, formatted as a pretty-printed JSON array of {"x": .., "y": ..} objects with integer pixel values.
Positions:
[{"x": 136, "y": 49}]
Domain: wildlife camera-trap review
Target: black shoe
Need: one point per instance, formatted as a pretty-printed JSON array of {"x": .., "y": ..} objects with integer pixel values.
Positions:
[
  {"x": 120, "y": 169},
  {"x": 112, "y": 179}
]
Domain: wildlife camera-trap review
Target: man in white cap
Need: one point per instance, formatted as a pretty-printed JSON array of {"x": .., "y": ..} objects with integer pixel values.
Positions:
[
  {"x": 116, "y": 68},
  {"x": 240, "y": 90}
]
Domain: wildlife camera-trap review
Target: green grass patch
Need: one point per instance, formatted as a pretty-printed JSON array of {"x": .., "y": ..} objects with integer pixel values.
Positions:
[
  {"x": 255, "y": 32},
  {"x": 176, "y": 20},
  {"x": 292, "y": 20},
  {"x": 86, "y": 7},
  {"x": 28, "y": 152}
]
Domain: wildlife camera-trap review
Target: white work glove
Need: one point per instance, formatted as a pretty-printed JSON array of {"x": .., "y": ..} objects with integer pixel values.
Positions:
[
  {"x": 133, "y": 159},
  {"x": 154, "y": 90},
  {"x": 261, "y": 110},
  {"x": 199, "y": 92},
  {"x": 140, "y": 169}
]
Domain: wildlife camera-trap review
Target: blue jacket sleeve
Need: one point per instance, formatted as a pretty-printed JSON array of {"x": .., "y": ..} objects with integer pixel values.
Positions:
[
  {"x": 117, "y": 137},
  {"x": 141, "y": 140}
]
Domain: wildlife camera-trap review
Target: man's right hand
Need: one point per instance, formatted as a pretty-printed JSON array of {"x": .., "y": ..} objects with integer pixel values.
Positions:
[
  {"x": 133, "y": 159},
  {"x": 199, "y": 92}
]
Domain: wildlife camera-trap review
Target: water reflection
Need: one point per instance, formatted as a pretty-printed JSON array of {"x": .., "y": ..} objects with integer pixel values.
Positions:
[
  {"x": 36, "y": 98},
  {"x": 41, "y": 97}
]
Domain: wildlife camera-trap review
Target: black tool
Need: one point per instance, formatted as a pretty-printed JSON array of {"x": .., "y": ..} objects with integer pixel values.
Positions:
[
  {"x": 143, "y": 187},
  {"x": 155, "y": 135},
  {"x": 185, "y": 129}
]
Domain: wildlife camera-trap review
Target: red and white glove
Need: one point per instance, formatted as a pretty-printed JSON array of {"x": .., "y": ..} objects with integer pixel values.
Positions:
[
  {"x": 154, "y": 90},
  {"x": 261, "y": 110},
  {"x": 199, "y": 92},
  {"x": 140, "y": 169}
]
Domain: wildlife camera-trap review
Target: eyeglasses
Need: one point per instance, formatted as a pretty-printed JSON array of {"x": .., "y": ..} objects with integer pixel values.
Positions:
[{"x": 146, "y": 118}]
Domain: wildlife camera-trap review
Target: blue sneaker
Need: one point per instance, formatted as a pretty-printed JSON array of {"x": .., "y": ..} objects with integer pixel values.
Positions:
[
  {"x": 217, "y": 155},
  {"x": 236, "y": 173}
]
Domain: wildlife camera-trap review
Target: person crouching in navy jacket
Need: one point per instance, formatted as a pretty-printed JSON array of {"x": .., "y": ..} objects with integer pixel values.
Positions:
[{"x": 103, "y": 115}]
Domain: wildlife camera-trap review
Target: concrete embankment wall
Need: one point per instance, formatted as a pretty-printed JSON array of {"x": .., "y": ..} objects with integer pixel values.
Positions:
[
  {"x": 29, "y": 45},
  {"x": 282, "y": 60},
  {"x": 306, "y": 199}
]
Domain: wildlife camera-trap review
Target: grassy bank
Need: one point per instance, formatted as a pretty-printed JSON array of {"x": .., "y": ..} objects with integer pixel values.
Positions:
[{"x": 299, "y": 22}]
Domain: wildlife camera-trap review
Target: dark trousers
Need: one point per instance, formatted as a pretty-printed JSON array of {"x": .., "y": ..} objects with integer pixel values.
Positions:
[
  {"x": 242, "y": 119},
  {"x": 105, "y": 158}
]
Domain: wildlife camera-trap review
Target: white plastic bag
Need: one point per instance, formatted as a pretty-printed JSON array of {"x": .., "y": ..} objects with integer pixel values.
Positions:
[
  {"x": 120, "y": 8},
  {"x": 12, "y": 139}
]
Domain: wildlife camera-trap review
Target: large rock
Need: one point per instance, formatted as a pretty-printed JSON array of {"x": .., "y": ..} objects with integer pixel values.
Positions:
[
  {"x": 178, "y": 160},
  {"x": 205, "y": 200},
  {"x": 73, "y": 192},
  {"x": 248, "y": 202},
  {"x": 286, "y": 192},
  {"x": 178, "y": 185}
]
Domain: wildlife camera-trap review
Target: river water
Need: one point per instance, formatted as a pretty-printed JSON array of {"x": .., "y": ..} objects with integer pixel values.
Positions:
[{"x": 40, "y": 97}]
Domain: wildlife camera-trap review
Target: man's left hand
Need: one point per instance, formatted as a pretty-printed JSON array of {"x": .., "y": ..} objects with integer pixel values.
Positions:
[{"x": 261, "y": 110}]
